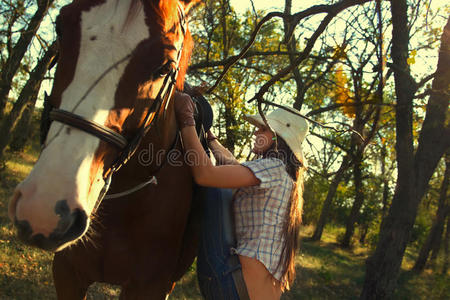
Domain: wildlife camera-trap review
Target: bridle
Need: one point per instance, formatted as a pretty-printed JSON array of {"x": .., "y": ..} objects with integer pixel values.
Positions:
[{"x": 127, "y": 147}]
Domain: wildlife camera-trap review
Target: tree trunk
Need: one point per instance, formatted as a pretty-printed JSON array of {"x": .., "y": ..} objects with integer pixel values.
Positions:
[
  {"x": 364, "y": 231},
  {"x": 223, "y": 22},
  {"x": 414, "y": 171},
  {"x": 380, "y": 93},
  {"x": 359, "y": 200},
  {"x": 25, "y": 98},
  {"x": 230, "y": 123},
  {"x": 385, "y": 199},
  {"x": 292, "y": 48},
  {"x": 12, "y": 64},
  {"x": 446, "y": 248},
  {"x": 361, "y": 119},
  {"x": 329, "y": 200},
  {"x": 443, "y": 197},
  {"x": 434, "y": 238},
  {"x": 21, "y": 134}
]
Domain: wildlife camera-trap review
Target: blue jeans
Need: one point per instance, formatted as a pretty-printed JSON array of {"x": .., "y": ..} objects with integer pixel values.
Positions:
[{"x": 214, "y": 269}]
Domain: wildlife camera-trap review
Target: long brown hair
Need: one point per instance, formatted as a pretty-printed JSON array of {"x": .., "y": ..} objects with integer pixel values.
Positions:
[{"x": 293, "y": 217}]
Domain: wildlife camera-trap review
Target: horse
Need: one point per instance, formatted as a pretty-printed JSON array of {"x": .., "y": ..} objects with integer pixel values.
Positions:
[{"x": 119, "y": 62}]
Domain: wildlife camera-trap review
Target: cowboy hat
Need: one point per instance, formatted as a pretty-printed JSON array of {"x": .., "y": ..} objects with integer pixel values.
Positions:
[{"x": 291, "y": 127}]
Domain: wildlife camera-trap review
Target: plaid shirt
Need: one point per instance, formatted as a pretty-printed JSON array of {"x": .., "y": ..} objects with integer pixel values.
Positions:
[{"x": 260, "y": 213}]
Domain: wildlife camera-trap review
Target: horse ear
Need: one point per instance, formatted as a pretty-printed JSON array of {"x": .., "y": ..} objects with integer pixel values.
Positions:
[{"x": 189, "y": 4}]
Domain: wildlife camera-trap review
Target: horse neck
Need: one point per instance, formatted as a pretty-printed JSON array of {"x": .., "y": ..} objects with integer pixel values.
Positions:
[
  {"x": 164, "y": 132},
  {"x": 155, "y": 146}
]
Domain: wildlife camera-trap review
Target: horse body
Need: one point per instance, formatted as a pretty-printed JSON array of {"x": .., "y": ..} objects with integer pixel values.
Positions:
[
  {"x": 142, "y": 249},
  {"x": 140, "y": 242},
  {"x": 115, "y": 59}
]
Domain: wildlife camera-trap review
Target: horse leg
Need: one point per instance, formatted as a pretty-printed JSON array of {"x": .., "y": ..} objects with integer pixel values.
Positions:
[
  {"x": 157, "y": 290},
  {"x": 189, "y": 247},
  {"x": 68, "y": 285}
]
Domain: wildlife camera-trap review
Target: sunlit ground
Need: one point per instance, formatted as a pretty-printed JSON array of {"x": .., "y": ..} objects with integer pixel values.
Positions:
[{"x": 324, "y": 270}]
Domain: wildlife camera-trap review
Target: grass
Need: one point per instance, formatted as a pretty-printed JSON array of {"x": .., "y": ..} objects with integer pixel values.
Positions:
[
  {"x": 324, "y": 271},
  {"x": 24, "y": 272}
]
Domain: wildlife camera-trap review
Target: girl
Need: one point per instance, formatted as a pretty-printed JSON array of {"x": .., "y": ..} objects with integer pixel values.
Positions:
[{"x": 267, "y": 204}]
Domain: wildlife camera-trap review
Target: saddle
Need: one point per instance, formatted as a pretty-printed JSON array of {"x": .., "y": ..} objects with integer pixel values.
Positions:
[{"x": 203, "y": 116}]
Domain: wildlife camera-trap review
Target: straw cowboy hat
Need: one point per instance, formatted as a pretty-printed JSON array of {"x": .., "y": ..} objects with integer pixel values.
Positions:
[{"x": 291, "y": 127}]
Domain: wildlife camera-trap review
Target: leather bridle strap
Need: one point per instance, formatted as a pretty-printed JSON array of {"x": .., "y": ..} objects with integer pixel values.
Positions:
[
  {"x": 127, "y": 148},
  {"x": 149, "y": 120},
  {"x": 79, "y": 122},
  {"x": 160, "y": 103}
]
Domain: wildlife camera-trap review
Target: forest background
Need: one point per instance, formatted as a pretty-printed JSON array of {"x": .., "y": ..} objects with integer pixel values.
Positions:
[{"x": 372, "y": 76}]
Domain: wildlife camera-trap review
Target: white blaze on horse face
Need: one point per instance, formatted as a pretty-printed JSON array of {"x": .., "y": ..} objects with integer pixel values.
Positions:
[{"x": 63, "y": 171}]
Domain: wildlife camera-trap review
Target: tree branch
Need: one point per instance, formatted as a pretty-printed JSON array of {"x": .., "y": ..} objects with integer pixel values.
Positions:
[
  {"x": 331, "y": 141},
  {"x": 226, "y": 61},
  {"x": 292, "y": 20}
]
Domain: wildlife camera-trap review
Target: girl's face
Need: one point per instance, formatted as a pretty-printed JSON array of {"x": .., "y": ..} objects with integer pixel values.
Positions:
[{"x": 263, "y": 140}]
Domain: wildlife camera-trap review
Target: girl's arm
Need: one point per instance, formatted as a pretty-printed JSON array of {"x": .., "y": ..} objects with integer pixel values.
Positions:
[
  {"x": 222, "y": 155},
  {"x": 205, "y": 173}
]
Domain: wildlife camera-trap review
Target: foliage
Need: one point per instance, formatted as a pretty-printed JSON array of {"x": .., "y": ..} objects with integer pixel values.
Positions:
[
  {"x": 342, "y": 92},
  {"x": 341, "y": 69},
  {"x": 217, "y": 38}
]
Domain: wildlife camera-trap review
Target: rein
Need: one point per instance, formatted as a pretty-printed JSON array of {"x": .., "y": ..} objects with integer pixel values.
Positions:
[
  {"x": 152, "y": 180},
  {"x": 127, "y": 147}
]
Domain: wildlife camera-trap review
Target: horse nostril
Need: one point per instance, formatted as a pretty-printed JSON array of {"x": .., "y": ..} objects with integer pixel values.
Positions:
[
  {"x": 24, "y": 230},
  {"x": 70, "y": 226}
]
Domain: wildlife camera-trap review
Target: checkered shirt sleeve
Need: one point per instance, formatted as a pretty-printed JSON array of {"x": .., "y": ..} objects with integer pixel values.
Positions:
[{"x": 269, "y": 171}]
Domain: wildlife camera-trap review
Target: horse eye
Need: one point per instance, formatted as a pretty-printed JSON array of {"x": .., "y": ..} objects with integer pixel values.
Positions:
[{"x": 164, "y": 69}]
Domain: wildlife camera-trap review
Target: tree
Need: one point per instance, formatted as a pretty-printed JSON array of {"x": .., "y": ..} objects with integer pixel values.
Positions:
[
  {"x": 434, "y": 238},
  {"x": 446, "y": 247},
  {"x": 414, "y": 169},
  {"x": 26, "y": 98},
  {"x": 329, "y": 200},
  {"x": 21, "y": 134},
  {"x": 17, "y": 52},
  {"x": 219, "y": 32},
  {"x": 363, "y": 115},
  {"x": 354, "y": 94}
]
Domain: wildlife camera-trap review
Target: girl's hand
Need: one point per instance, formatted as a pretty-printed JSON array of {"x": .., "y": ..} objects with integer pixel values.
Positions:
[
  {"x": 184, "y": 110},
  {"x": 210, "y": 136}
]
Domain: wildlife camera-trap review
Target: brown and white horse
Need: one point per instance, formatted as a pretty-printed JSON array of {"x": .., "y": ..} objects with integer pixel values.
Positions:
[{"x": 116, "y": 61}]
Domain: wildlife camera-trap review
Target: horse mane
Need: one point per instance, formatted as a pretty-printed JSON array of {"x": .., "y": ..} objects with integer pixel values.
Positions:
[{"x": 166, "y": 17}]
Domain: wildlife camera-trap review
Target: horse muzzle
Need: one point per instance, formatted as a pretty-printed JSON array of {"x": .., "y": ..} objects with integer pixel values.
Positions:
[{"x": 71, "y": 226}]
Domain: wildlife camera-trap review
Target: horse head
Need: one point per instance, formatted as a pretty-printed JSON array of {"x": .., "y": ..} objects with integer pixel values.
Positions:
[{"x": 118, "y": 62}]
